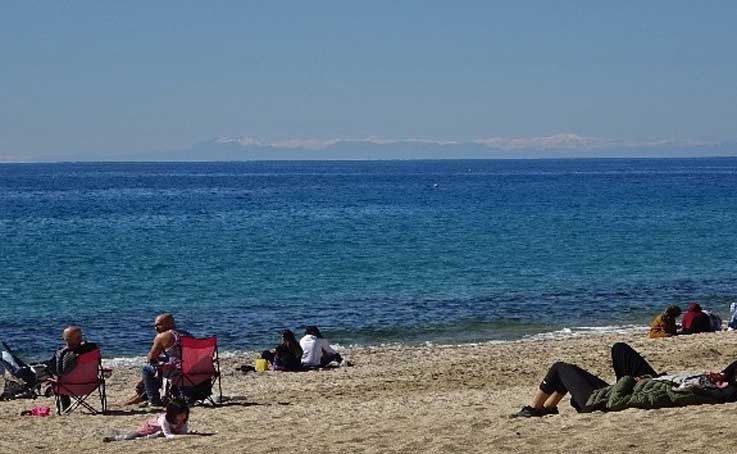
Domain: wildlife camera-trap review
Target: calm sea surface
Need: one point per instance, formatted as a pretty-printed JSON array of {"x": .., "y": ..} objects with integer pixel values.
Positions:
[{"x": 372, "y": 252}]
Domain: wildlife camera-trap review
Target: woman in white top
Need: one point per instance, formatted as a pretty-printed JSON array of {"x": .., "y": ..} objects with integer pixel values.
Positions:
[{"x": 316, "y": 352}]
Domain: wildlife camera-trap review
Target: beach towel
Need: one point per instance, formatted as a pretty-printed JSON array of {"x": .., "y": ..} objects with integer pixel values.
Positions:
[
  {"x": 37, "y": 411},
  {"x": 684, "y": 382}
]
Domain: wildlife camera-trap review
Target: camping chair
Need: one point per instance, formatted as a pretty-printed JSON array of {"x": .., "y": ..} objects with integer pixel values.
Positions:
[
  {"x": 21, "y": 379},
  {"x": 79, "y": 384},
  {"x": 198, "y": 371}
]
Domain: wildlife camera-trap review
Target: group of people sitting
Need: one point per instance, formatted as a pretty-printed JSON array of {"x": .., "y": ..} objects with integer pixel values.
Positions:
[
  {"x": 162, "y": 361},
  {"x": 311, "y": 352},
  {"x": 638, "y": 384},
  {"x": 695, "y": 320}
]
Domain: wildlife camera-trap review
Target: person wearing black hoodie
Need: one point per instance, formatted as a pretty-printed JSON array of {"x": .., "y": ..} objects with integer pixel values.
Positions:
[{"x": 695, "y": 320}]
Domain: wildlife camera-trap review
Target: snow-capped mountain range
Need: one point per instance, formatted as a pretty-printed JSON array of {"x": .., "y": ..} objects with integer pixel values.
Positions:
[
  {"x": 245, "y": 148},
  {"x": 371, "y": 148}
]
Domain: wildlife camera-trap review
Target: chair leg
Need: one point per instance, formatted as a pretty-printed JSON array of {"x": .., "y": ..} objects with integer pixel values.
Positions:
[
  {"x": 103, "y": 397},
  {"x": 83, "y": 403}
]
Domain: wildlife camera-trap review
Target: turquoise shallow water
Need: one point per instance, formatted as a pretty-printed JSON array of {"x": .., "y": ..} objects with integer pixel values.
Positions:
[{"x": 374, "y": 252}]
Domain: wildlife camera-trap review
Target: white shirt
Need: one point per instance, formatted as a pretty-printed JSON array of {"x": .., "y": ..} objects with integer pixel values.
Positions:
[{"x": 313, "y": 348}]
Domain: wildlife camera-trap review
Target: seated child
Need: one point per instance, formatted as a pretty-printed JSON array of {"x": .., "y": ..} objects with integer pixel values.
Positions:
[{"x": 169, "y": 424}]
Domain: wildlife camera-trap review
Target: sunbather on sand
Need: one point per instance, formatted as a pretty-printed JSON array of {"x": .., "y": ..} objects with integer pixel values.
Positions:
[{"x": 638, "y": 386}]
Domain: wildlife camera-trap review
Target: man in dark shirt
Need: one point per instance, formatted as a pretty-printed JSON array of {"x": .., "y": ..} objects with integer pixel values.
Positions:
[{"x": 65, "y": 359}]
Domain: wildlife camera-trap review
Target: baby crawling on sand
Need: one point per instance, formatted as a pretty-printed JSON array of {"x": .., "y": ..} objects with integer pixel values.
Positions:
[{"x": 171, "y": 424}]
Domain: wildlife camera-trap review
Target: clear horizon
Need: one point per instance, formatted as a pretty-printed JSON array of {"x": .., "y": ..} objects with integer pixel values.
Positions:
[{"x": 102, "y": 80}]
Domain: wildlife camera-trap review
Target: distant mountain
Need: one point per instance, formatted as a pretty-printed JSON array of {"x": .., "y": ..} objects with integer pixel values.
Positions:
[{"x": 555, "y": 146}]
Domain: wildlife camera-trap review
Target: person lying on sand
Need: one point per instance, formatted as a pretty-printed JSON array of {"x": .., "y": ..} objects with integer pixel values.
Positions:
[{"x": 637, "y": 386}]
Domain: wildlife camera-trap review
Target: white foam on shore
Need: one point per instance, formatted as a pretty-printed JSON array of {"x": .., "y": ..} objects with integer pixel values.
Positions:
[
  {"x": 139, "y": 361},
  {"x": 580, "y": 331},
  {"x": 564, "y": 333}
]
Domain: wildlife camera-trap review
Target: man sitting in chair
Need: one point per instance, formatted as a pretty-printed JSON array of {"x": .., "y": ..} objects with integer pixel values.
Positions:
[
  {"x": 65, "y": 359},
  {"x": 164, "y": 356}
]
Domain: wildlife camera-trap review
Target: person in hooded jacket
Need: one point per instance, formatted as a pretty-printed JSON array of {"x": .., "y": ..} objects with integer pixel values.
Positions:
[
  {"x": 664, "y": 325},
  {"x": 695, "y": 320}
]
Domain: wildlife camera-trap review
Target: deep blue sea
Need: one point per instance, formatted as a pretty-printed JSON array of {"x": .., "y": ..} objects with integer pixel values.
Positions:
[{"x": 372, "y": 252}]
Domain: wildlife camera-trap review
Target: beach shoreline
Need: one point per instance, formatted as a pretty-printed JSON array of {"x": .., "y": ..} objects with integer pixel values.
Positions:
[
  {"x": 411, "y": 399},
  {"x": 564, "y": 333}
]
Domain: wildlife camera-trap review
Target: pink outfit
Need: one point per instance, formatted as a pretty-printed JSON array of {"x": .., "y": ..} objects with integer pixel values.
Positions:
[{"x": 160, "y": 426}]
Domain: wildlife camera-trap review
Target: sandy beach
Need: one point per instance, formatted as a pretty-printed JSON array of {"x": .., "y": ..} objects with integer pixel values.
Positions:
[{"x": 437, "y": 399}]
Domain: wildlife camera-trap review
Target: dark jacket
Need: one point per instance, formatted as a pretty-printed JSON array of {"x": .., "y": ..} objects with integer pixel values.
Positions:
[
  {"x": 287, "y": 360},
  {"x": 695, "y": 320},
  {"x": 650, "y": 394},
  {"x": 65, "y": 359}
]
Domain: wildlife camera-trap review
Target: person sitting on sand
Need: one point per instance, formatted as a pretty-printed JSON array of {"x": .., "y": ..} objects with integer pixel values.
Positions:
[
  {"x": 170, "y": 424},
  {"x": 732, "y": 325},
  {"x": 65, "y": 358},
  {"x": 695, "y": 320},
  {"x": 286, "y": 356},
  {"x": 163, "y": 358},
  {"x": 664, "y": 325},
  {"x": 317, "y": 352},
  {"x": 637, "y": 386}
]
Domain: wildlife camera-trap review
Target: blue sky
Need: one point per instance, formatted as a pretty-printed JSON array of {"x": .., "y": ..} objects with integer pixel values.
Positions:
[{"x": 108, "y": 77}]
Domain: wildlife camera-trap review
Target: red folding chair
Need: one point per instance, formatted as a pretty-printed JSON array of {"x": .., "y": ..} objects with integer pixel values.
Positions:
[
  {"x": 198, "y": 371},
  {"x": 79, "y": 384}
]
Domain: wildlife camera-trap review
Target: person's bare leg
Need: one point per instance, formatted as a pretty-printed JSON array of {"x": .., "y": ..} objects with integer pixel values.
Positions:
[
  {"x": 137, "y": 399},
  {"x": 553, "y": 400},
  {"x": 542, "y": 399},
  {"x": 539, "y": 399}
]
